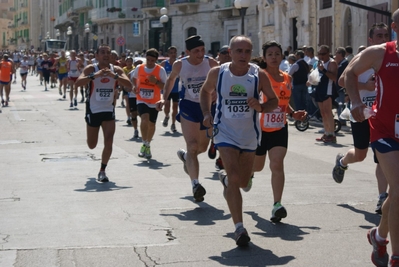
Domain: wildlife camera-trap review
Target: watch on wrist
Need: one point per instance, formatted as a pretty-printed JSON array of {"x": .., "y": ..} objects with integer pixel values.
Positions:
[
  {"x": 91, "y": 76},
  {"x": 116, "y": 76}
]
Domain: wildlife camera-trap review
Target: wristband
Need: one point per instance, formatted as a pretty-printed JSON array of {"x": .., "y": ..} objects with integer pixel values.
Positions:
[
  {"x": 116, "y": 76},
  {"x": 91, "y": 76}
]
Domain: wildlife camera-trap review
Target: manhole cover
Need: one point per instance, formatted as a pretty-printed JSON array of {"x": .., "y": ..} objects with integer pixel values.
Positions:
[
  {"x": 6, "y": 142},
  {"x": 65, "y": 157}
]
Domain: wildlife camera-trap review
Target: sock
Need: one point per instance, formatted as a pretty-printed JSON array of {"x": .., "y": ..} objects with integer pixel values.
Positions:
[
  {"x": 378, "y": 237},
  {"x": 226, "y": 181},
  {"x": 194, "y": 182},
  {"x": 340, "y": 162},
  {"x": 238, "y": 225},
  {"x": 103, "y": 166},
  {"x": 185, "y": 156}
]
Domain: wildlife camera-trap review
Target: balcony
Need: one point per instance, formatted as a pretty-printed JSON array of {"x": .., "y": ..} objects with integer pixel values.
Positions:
[
  {"x": 23, "y": 5},
  {"x": 62, "y": 21},
  {"x": 152, "y": 7},
  {"x": 113, "y": 14},
  {"x": 82, "y": 6},
  {"x": 12, "y": 9},
  {"x": 185, "y": 5}
]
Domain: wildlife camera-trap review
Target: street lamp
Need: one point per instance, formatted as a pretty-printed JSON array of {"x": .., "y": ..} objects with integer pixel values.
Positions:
[
  {"x": 57, "y": 33},
  {"x": 48, "y": 35},
  {"x": 87, "y": 31},
  {"x": 242, "y": 6},
  {"x": 164, "y": 20},
  {"x": 69, "y": 33}
]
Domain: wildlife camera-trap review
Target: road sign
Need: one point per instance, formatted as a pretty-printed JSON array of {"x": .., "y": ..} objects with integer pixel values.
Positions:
[
  {"x": 120, "y": 41},
  {"x": 95, "y": 37}
]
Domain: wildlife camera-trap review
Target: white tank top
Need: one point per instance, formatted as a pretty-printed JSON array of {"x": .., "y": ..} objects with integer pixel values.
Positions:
[
  {"x": 73, "y": 69},
  {"x": 192, "y": 77},
  {"x": 367, "y": 97},
  {"x": 237, "y": 123},
  {"x": 24, "y": 67},
  {"x": 101, "y": 91}
]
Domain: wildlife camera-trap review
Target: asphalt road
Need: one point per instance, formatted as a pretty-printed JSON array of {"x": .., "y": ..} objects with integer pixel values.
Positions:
[{"x": 53, "y": 212}]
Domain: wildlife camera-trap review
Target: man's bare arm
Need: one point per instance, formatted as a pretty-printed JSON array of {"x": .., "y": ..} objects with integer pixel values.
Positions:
[
  {"x": 206, "y": 92},
  {"x": 170, "y": 81},
  {"x": 271, "y": 97}
]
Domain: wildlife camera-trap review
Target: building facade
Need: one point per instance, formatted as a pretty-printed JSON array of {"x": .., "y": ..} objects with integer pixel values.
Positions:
[
  {"x": 135, "y": 25},
  {"x": 313, "y": 23}
]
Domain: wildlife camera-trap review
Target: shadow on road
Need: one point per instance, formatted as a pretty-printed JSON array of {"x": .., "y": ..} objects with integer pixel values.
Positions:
[
  {"x": 203, "y": 215},
  {"x": 152, "y": 164},
  {"x": 93, "y": 186},
  {"x": 251, "y": 256},
  {"x": 175, "y": 134},
  {"x": 372, "y": 218},
  {"x": 284, "y": 231}
]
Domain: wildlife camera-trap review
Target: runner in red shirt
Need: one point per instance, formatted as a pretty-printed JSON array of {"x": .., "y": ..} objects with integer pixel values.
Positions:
[{"x": 384, "y": 135}]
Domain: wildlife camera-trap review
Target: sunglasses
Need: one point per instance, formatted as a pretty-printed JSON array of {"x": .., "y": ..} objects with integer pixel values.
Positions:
[
  {"x": 224, "y": 53},
  {"x": 322, "y": 54}
]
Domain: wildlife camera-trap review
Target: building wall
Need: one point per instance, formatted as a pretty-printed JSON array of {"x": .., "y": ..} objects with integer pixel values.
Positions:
[{"x": 349, "y": 24}]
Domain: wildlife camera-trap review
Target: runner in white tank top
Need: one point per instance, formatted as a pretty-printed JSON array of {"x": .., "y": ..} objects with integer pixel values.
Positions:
[{"x": 237, "y": 85}]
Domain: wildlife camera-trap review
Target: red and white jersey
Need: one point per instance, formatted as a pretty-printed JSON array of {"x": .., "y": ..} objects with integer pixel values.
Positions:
[
  {"x": 385, "y": 124},
  {"x": 101, "y": 93}
]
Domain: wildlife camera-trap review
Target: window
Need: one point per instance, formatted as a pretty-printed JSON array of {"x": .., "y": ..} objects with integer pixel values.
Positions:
[
  {"x": 324, "y": 4},
  {"x": 191, "y": 31}
]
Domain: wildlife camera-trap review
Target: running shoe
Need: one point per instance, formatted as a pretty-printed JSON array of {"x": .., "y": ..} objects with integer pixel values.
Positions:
[
  {"x": 199, "y": 193},
  {"x": 71, "y": 105},
  {"x": 2, "y": 102},
  {"x": 147, "y": 153},
  {"x": 81, "y": 101},
  {"x": 321, "y": 139},
  {"x": 142, "y": 151},
  {"x": 394, "y": 262},
  {"x": 102, "y": 177},
  {"x": 381, "y": 200},
  {"x": 165, "y": 122},
  {"x": 330, "y": 139},
  {"x": 75, "y": 102},
  {"x": 278, "y": 212},
  {"x": 136, "y": 134},
  {"x": 249, "y": 185},
  {"x": 339, "y": 171},
  {"x": 45, "y": 89},
  {"x": 180, "y": 153},
  {"x": 212, "y": 151},
  {"x": 6, "y": 104},
  {"x": 63, "y": 96},
  {"x": 173, "y": 128},
  {"x": 222, "y": 178},
  {"x": 128, "y": 121},
  {"x": 219, "y": 164},
  {"x": 379, "y": 256},
  {"x": 241, "y": 236}
]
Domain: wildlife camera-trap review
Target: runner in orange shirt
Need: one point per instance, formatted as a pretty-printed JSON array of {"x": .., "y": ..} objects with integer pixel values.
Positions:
[
  {"x": 274, "y": 126},
  {"x": 6, "y": 70}
]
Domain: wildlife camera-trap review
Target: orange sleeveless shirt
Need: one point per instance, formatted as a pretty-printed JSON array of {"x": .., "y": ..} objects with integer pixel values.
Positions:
[
  {"x": 275, "y": 120},
  {"x": 148, "y": 92},
  {"x": 5, "y": 71}
]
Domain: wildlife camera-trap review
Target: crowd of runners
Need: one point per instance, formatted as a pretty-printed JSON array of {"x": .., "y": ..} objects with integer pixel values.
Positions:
[{"x": 239, "y": 102}]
